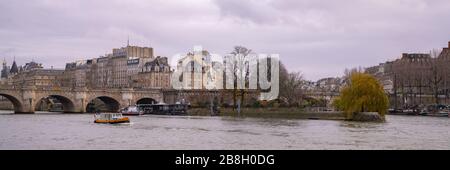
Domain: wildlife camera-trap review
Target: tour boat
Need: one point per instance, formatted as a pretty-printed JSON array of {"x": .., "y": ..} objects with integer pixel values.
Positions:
[{"x": 110, "y": 118}]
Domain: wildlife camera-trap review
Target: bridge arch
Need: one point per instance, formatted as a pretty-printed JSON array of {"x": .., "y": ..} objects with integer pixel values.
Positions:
[
  {"x": 17, "y": 104},
  {"x": 67, "y": 105},
  {"x": 146, "y": 100},
  {"x": 103, "y": 104}
]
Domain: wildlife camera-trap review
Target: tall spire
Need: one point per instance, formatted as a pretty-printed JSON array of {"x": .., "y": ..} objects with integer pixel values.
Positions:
[
  {"x": 14, "y": 68},
  {"x": 5, "y": 71},
  {"x": 128, "y": 41}
]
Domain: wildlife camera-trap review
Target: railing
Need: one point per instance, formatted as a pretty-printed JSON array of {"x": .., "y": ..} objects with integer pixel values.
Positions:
[{"x": 58, "y": 88}]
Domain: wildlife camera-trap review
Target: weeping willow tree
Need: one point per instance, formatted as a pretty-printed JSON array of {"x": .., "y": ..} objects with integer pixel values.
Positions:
[{"x": 363, "y": 94}]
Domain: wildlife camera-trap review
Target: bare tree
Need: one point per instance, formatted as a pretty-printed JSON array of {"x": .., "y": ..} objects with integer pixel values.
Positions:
[
  {"x": 284, "y": 75},
  {"x": 348, "y": 73},
  {"x": 436, "y": 77},
  {"x": 238, "y": 68},
  {"x": 293, "y": 91}
]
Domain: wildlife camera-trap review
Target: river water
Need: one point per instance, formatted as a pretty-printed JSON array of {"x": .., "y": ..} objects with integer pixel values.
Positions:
[{"x": 77, "y": 131}]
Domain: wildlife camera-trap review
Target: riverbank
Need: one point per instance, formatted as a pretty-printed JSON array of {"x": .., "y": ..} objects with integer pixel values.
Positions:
[{"x": 284, "y": 113}]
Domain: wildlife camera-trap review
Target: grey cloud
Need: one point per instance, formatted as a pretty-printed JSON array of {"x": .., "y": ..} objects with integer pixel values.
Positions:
[
  {"x": 319, "y": 37},
  {"x": 252, "y": 10}
]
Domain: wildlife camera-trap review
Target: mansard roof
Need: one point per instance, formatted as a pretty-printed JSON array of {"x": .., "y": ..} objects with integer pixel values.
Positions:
[{"x": 158, "y": 61}]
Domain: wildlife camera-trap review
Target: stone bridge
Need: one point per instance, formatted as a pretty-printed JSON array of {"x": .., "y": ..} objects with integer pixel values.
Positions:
[
  {"x": 329, "y": 96},
  {"x": 75, "y": 100}
]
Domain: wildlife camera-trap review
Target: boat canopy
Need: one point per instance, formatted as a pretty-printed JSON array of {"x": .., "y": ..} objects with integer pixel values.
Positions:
[{"x": 109, "y": 116}]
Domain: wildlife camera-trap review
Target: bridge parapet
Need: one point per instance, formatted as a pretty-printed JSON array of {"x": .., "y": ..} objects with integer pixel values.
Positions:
[{"x": 25, "y": 99}]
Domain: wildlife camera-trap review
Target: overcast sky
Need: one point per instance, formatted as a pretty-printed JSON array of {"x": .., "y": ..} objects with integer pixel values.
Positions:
[{"x": 320, "y": 38}]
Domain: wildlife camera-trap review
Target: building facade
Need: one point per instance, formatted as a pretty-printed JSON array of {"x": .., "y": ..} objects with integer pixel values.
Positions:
[
  {"x": 119, "y": 70},
  {"x": 153, "y": 74},
  {"x": 416, "y": 79},
  {"x": 125, "y": 67}
]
